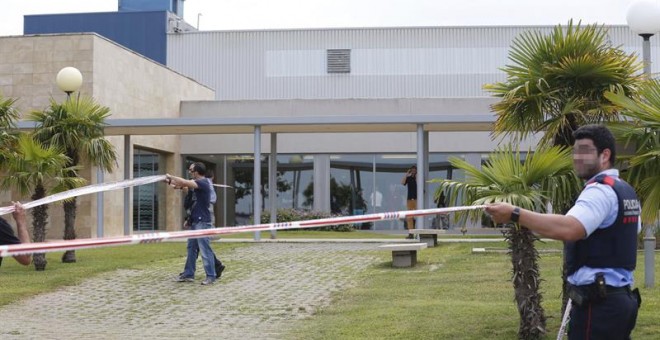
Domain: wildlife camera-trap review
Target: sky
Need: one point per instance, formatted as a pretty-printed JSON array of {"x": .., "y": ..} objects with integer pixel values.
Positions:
[{"x": 276, "y": 14}]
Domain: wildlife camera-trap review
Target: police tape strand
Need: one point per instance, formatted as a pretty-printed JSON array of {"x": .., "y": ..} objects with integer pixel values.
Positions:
[
  {"x": 564, "y": 320},
  {"x": 90, "y": 189},
  {"x": 46, "y": 247}
]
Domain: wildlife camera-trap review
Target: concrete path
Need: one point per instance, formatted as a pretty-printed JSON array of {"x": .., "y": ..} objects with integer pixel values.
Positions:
[{"x": 266, "y": 287}]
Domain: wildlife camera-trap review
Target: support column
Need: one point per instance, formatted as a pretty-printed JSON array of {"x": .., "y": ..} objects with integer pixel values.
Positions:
[
  {"x": 99, "y": 204},
  {"x": 649, "y": 236},
  {"x": 428, "y": 195},
  {"x": 127, "y": 191},
  {"x": 256, "y": 181},
  {"x": 420, "y": 174},
  {"x": 272, "y": 182},
  {"x": 322, "y": 183}
]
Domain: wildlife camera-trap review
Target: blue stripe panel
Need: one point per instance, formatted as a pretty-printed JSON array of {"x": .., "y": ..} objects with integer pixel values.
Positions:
[{"x": 142, "y": 32}]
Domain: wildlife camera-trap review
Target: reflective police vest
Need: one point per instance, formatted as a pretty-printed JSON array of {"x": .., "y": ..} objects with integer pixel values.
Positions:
[{"x": 614, "y": 246}]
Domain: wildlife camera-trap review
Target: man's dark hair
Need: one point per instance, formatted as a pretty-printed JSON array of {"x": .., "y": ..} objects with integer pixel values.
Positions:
[
  {"x": 601, "y": 136},
  {"x": 413, "y": 167},
  {"x": 199, "y": 168}
]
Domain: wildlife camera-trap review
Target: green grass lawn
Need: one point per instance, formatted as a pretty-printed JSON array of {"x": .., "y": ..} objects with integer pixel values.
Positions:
[{"x": 450, "y": 294}]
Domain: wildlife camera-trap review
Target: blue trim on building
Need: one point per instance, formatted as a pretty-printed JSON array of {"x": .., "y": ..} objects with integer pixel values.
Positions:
[{"x": 142, "y": 32}]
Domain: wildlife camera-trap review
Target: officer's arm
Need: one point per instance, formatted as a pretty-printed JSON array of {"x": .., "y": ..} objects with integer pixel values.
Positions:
[{"x": 558, "y": 227}]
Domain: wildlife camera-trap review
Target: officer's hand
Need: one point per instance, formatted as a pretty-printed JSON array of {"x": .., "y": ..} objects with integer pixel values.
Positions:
[{"x": 500, "y": 212}]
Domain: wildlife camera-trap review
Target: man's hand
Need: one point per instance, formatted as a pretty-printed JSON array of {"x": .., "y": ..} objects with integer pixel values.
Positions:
[
  {"x": 500, "y": 212},
  {"x": 19, "y": 213}
]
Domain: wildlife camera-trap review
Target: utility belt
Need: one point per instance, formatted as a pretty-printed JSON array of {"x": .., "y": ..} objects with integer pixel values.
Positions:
[{"x": 598, "y": 292}]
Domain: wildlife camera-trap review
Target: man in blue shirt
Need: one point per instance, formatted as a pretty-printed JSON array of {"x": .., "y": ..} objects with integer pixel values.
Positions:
[
  {"x": 200, "y": 218},
  {"x": 600, "y": 231}
]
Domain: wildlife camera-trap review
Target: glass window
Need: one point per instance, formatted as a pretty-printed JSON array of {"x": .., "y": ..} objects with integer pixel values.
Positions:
[
  {"x": 295, "y": 185},
  {"x": 350, "y": 176},
  {"x": 147, "y": 207}
]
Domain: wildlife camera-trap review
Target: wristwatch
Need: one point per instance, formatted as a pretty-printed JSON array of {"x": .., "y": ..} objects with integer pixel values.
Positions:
[{"x": 515, "y": 214}]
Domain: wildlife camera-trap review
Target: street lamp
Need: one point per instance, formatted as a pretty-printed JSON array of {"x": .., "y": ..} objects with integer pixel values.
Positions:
[
  {"x": 69, "y": 80},
  {"x": 644, "y": 19}
]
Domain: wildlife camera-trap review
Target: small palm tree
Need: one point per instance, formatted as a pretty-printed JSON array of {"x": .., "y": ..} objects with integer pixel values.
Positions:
[
  {"x": 75, "y": 126},
  {"x": 33, "y": 168},
  {"x": 543, "y": 177},
  {"x": 643, "y": 132}
]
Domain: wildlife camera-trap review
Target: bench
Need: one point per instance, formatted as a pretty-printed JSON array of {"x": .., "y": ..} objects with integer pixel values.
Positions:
[
  {"x": 430, "y": 236},
  {"x": 404, "y": 254}
]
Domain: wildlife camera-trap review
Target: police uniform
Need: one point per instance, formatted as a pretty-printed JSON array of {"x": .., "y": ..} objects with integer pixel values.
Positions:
[{"x": 600, "y": 266}]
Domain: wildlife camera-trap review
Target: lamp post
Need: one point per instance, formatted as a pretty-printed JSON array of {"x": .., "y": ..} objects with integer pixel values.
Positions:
[
  {"x": 69, "y": 80},
  {"x": 643, "y": 17}
]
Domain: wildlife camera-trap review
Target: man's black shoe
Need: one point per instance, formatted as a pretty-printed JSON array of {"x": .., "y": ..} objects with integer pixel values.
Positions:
[{"x": 218, "y": 271}]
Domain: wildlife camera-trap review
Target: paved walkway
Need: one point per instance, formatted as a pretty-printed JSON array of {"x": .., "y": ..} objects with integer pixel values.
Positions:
[{"x": 266, "y": 286}]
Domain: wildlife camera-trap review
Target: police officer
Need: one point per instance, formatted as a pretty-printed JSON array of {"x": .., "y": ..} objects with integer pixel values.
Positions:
[{"x": 600, "y": 231}]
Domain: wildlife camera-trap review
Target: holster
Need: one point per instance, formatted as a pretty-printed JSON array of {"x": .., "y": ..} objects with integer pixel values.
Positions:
[
  {"x": 637, "y": 296},
  {"x": 594, "y": 293}
]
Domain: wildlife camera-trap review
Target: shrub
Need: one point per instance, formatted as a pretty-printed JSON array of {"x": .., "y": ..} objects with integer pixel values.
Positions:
[{"x": 290, "y": 215}]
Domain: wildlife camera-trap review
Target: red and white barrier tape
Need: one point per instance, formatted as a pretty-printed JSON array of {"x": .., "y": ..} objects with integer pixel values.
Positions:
[
  {"x": 45, "y": 247},
  {"x": 90, "y": 189}
]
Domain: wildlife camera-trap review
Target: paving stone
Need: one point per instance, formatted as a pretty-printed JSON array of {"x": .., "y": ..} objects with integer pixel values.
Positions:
[{"x": 265, "y": 289}]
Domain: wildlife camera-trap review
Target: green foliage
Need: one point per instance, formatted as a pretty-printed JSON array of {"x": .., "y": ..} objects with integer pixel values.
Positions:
[
  {"x": 8, "y": 137},
  {"x": 545, "y": 176},
  {"x": 290, "y": 215},
  {"x": 556, "y": 83},
  {"x": 32, "y": 164},
  {"x": 642, "y": 131},
  {"x": 76, "y": 126}
]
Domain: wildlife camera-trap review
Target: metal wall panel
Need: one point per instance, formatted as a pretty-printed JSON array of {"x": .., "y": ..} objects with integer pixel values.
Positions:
[
  {"x": 421, "y": 62},
  {"x": 142, "y": 32}
]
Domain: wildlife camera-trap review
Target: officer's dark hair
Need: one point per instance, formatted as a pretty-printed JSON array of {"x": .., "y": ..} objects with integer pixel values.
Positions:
[
  {"x": 199, "y": 168},
  {"x": 601, "y": 136}
]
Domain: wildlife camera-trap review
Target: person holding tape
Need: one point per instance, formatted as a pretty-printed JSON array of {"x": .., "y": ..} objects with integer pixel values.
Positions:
[
  {"x": 200, "y": 218},
  {"x": 600, "y": 232},
  {"x": 7, "y": 234}
]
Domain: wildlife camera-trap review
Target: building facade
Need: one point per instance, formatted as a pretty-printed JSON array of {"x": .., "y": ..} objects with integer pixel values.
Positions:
[{"x": 343, "y": 111}]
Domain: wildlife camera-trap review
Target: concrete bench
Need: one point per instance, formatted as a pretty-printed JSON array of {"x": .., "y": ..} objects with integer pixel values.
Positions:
[
  {"x": 404, "y": 254},
  {"x": 430, "y": 236}
]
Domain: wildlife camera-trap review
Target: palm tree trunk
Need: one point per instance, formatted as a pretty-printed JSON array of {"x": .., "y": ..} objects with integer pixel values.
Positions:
[
  {"x": 526, "y": 280},
  {"x": 69, "y": 228},
  {"x": 39, "y": 221}
]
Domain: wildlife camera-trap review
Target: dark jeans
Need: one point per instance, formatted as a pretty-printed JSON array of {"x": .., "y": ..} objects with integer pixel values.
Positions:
[{"x": 612, "y": 318}]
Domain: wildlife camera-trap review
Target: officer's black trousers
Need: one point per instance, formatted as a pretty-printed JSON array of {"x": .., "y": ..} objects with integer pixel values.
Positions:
[{"x": 613, "y": 318}]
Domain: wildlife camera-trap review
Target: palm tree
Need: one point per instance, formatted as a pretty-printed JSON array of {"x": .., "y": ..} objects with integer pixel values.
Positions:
[
  {"x": 75, "y": 126},
  {"x": 8, "y": 117},
  {"x": 643, "y": 132},
  {"x": 33, "y": 168},
  {"x": 556, "y": 83},
  {"x": 543, "y": 177}
]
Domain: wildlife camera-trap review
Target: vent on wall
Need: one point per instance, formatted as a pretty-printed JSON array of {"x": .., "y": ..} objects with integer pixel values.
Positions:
[{"x": 339, "y": 61}]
